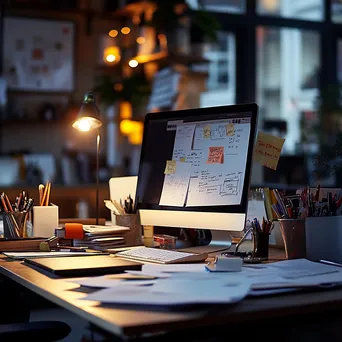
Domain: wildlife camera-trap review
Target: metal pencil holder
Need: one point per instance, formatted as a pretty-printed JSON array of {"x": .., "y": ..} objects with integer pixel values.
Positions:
[{"x": 15, "y": 224}]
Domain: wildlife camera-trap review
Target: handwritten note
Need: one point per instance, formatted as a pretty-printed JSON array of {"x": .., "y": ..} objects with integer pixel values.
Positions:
[
  {"x": 267, "y": 150},
  {"x": 206, "y": 131},
  {"x": 170, "y": 167},
  {"x": 215, "y": 155},
  {"x": 230, "y": 130},
  {"x": 175, "y": 187}
]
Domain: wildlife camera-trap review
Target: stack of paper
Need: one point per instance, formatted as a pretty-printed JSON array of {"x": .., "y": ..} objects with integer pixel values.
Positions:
[
  {"x": 102, "y": 237},
  {"x": 186, "y": 284}
]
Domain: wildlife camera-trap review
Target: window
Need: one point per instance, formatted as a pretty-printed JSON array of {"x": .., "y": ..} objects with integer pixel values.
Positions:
[
  {"x": 226, "y": 6},
  {"x": 294, "y": 9},
  {"x": 288, "y": 63}
]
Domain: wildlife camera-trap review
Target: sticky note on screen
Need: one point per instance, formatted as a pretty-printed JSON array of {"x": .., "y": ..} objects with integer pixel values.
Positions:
[
  {"x": 267, "y": 150},
  {"x": 206, "y": 131},
  {"x": 170, "y": 167},
  {"x": 215, "y": 155},
  {"x": 230, "y": 130}
]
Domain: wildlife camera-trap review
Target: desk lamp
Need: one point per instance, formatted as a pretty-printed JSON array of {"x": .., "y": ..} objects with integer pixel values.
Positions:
[{"x": 88, "y": 119}]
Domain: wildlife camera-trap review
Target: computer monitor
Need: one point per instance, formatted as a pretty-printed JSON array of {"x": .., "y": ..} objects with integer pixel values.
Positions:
[{"x": 195, "y": 168}]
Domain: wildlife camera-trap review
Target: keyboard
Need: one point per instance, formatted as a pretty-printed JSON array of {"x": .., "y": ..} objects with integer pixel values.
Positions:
[{"x": 161, "y": 256}]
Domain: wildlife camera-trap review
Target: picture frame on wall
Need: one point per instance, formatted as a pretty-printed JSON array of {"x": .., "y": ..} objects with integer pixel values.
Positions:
[{"x": 38, "y": 54}]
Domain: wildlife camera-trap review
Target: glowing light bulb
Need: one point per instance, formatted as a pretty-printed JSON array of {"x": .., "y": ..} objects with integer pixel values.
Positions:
[
  {"x": 125, "y": 30},
  {"x": 113, "y": 33},
  {"x": 83, "y": 125},
  {"x": 110, "y": 58},
  {"x": 141, "y": 40},
  {"x": 133, "y": 63}
]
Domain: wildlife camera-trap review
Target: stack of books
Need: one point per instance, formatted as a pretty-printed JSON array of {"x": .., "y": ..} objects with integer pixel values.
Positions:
[{"x": 99, "y": 238}]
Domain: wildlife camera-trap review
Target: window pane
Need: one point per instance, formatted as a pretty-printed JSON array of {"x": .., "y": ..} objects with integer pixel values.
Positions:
[
  {"x": 221, "y": 71},
  {"x": 295, "y": 9},
  {"x": 227, "y": 6},
  {"x": 336, "y": 11},
  {"x": 288, "y": 62}
]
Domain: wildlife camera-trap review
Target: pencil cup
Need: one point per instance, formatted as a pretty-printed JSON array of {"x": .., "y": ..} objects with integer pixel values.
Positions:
[
  {"x": 134, "y": 236},
  {"x": 293, "y": 233},
  {"x": 16, "y": 225},
  {"x": 261, "y": 244},
  {"x": 45, "y": 220}
]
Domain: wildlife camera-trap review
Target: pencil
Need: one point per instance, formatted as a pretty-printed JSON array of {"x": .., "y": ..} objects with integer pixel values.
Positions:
[
  {"x": 48, "y": 194},
  {"x": 41, "y": 193}
]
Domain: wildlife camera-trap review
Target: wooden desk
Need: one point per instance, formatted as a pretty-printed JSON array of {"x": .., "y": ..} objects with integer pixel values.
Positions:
[{"x": 125, "y": 322}]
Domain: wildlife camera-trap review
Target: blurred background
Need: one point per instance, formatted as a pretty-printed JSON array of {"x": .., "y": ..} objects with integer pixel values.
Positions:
[{"x": 147, "y": 56}]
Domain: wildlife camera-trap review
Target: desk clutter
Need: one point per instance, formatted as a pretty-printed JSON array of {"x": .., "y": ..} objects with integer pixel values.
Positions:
[{"x": 193, "y": 284}]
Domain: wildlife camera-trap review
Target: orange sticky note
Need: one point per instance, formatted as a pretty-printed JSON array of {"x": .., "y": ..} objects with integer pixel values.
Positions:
[
  {"x": 267, "y": 150},
  {"x": 215, "y": 155},
  {"x": 170, "y": 167},
  {"x": 230, "y": 130},
  {"x": 206, "y": 131}
]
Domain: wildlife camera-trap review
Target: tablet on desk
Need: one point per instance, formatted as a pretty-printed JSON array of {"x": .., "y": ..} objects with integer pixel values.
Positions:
[{"x": 84, "y": 266}]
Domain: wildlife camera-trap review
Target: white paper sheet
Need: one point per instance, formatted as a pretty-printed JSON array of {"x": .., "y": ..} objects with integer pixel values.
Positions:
[
  {"x": 219, "y": 183},
  {"x": 107, "y": 281},
  {"x": 176, "y": 185},
  {"x": 174, "y": 292}
]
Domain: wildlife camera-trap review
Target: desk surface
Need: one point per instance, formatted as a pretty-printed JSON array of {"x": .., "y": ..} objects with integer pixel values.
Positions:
[{"x": 130, "y": 322}]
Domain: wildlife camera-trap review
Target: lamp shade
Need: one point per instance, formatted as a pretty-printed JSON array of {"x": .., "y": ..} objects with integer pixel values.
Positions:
[{"x": 88, "y": 118}]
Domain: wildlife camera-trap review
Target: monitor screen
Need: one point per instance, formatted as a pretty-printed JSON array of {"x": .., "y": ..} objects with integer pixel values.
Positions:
[{"x": 197, "y": 160}]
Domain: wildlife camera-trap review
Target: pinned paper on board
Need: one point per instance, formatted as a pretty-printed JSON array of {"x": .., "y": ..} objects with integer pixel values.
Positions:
[
  {"x": 267, "y": 150},
  {"x": 170, "y": 167},
  {"x": 206, "y": 131},
  {"x": 230, "y": 130},
  {"x": 215, "y": 155}
]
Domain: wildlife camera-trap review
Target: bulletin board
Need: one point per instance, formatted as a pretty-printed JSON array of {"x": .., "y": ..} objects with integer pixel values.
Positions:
[{"x": 38, "y": 54}]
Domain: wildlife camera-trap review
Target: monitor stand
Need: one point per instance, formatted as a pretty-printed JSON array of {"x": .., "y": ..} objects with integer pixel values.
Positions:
[{"x": 220, "y": 241}]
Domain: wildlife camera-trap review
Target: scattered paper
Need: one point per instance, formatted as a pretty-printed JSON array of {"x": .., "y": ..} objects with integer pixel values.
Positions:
[
  {"x": 175, "y": 292},
  {"x": 267, "y": 150},
  {"x": 107, "y": 281},
  {"x": 230, "y": 131},
  {"x": 170, "y": 167},
  {"x": 206, "y": 131},
  {"x": 31, "y": 255},
  {"x": 215, "y": 155},
  {"x": 175, "y": 187}
]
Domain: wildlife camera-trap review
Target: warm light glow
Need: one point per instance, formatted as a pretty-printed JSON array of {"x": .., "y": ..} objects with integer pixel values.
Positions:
[
  {"x": 270, "y": 5},
  {"x": 141, "y": 40},
  {"x": 87, "y": 123},
  {"x": 118, "y": 87},
  {"x": 110, "y": 58},
  {"x": 111, "y": 54},
  {"x": 125, "y": 30},
  {"x": 83, "y": 125},
  {"x": 136, "y": 19},
  {"x": 127, "y": 126},
  {"x": 113, "y": 33},
  {"x": 133, "y": 63},
  {"x": 125, "y": 110},
  {"x": 162, "y": 41},
  {"x": 135, "y": 138}
]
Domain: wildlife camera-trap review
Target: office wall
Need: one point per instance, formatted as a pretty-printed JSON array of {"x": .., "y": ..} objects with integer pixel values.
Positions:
[{"x": 52, "y": 137}]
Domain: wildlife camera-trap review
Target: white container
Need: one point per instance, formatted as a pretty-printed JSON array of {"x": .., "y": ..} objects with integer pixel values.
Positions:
[
  {"x": 45, "y": 220},
  {"x": 324, "y": 238}
]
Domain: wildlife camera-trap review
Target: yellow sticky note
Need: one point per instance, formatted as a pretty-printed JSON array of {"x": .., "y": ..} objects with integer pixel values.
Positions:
[
  {"x": 230, "y": 130},
  {"x": 182, "y": 159},
  {"x": 206, "y": 131},
  {"x": 170, "y": 167},
  {"x": 267, "y": 150}
]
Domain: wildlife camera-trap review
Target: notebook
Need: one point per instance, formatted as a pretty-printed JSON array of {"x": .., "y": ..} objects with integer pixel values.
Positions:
[{"x": 84, "y": 266}]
